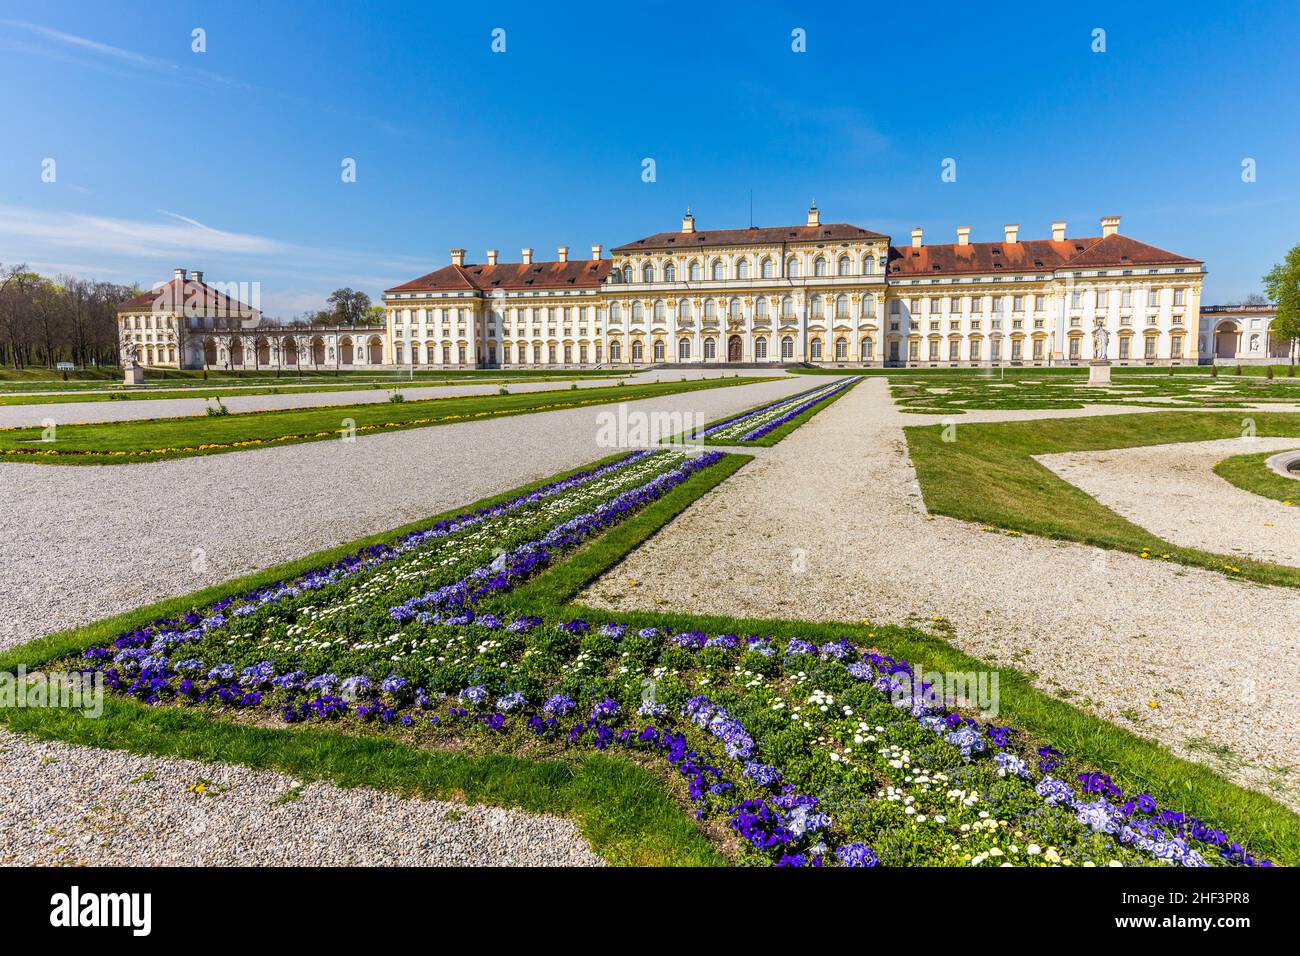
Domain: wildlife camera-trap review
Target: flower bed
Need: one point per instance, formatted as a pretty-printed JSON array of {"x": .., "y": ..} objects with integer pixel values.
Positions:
[
  {"x": 827, "y": 754},
  {"x": 753, "y": 425}
]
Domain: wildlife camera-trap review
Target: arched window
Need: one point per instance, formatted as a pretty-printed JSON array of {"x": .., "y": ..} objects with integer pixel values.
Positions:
[
  {"x": 842, "y": 307},
  {"x": 815, "y": 309},
  {"x": 867, "y": 346},
  {"x": 819, "y": 266},
  {"x": 742, "y": 269},
  {"x": 638, "y": 313},
  {"x": 868, "y": 265},
  {"x": 787, "y": 307},
  {"x": 659, "y": 351},
  {"x": 767, "y": 268},
  {"x": 696, "y": 272},
  {"x": 615, "y": 351},
  {"x": 815, "y": 351},
  {"x": 670, "y": 273},
  {"x": 638, "y": 351},
  {"x": 710, "y": 350},
  {"x": 660, "y": 311},
  {"x": 615, "y": 313},
  {"x": 792, "y": 268},
  {"x": 647, "y": 273},
  {"x": 710, "y": 311},
  {"x": 734, "y": 311},
  {"x": 869, "y": 308},
  {"x": 841, "y": 350},
  {"x": 627, "y": 274},
  {"x": 683, "y": 350},
  {"x": 719, "y": 270},
  {"x": 760, "y": 348},
  {"x": 683, "y": 310},
  {"x": 845, "y": 267},
  {"x": 760, "y": 310},
  {"x": 787, "y": 348}
]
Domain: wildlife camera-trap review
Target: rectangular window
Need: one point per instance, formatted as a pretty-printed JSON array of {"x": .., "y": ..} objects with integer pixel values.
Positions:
[
  {"x": 1018, "y": 303},
  {"x": 1038, "y": 350},
  {"x": 995, "y": 350},
  {"x": 1179, "y": 296},
  {"x": 1040, "y": 303},
  {"x": 1153, "y": 298},
  {"x": 1151, "y": 347},
  {"x": 1101, "y": 299},
  {"x": 1125, "y": 347},
  {"x": 1076, "y": 300},
  {"x": 934, "y": 350},
  {"x": 1016, "y": 350},
  {"x": 1126, "y": 299},
  {"x": 954, "y": 350},
  {"x": 1074, "y": 347}
]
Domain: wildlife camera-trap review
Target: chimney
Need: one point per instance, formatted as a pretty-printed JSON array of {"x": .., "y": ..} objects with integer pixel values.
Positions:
[
  {"x": 1109, "y": 226},
  {"x": 1012, "y": 230},
  {"x": 814, "y": 217},
  {"x": 527, "y": 256},
  {"x": 563, "y": 253},
  {"x": 180, "y": 274},
  {"x": 963, "y": 235},
  {"x": 916, "y": 237},
  {"x": 688, "y": 221},
  {"x": 197, "y": 276},
  {"x": 492, "y": 257},
  {"x": 458, "y": 257},
  {"x": 596, "y": 251},
  {"x": 1058, "y": 231}
]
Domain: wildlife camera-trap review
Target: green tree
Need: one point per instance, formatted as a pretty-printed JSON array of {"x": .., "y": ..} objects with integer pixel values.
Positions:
[
  {"x": 348, "y": 307},
  {"x": 1283, "y": 286}
]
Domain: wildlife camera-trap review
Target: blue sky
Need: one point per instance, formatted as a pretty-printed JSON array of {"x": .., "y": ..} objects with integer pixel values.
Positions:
[{"x": 230, "y": 160}]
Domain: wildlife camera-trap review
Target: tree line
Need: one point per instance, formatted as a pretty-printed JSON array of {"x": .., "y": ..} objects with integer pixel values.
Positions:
[{"x": 64, "y": 319}]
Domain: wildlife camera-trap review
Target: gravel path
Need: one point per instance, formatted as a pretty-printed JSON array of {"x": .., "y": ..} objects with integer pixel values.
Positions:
[
  {"x": 69, "y": 413},
  {"x": 830, "y": 525},
  {"x": 67, "y": 805},
  {"x": 1194, "y": 507},
  {"x": 83, "y": 542}
]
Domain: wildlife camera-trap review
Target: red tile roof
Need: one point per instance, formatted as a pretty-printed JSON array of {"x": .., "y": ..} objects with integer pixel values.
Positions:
[
  {"x": 828, "y": 232},
  {"x": 184, "y": 294},
  {"x": 574, "y": 274},
  {"x": 1032, "y": 255}
]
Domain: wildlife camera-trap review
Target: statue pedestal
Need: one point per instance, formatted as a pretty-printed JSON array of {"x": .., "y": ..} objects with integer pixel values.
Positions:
[
  {"x": 134, "y": 374},
  {"x": 1099, "y": 373}
]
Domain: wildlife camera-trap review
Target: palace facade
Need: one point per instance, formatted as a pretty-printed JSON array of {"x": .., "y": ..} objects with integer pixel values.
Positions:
[
  {"x": 189, "y": 323},
  {"x": 831, "y": 294},
  {"x": 820, "y": 293}
]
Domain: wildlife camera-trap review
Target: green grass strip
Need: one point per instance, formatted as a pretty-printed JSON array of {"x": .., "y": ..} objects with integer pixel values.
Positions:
[
  {"x": 190, "y": 436},
  {"x": 1250, "y": 473},
  {"x": 988, "y": 475}
]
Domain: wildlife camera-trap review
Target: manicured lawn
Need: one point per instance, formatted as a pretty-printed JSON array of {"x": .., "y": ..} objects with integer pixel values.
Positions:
[
  {"x": 159, "y": 439},
  {"x": 1249, "y": 473},
  {"x": 955, "y": 391},
  {"x": 288, "y": 386},
  {"x": 988, "y": 475},
  {"x": 633, "y": 797}
]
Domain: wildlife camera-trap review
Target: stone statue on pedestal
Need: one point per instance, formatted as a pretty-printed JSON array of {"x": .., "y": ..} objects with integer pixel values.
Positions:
[{"x": 1100, "y": 339}]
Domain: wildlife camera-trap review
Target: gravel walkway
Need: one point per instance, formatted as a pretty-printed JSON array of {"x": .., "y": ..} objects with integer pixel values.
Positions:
[
  {"x": 66, "y": 805},
  {"x": 1194, "y": 507},
  {"x": 83, "y": 542},
  {"x": 830, "y": 525},
  {"x": 69, "y": 413}
]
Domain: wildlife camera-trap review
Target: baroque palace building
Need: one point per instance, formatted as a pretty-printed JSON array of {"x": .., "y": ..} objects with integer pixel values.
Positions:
[
  {"x": 830, "y": 294},
  {"x": 821, "y": 293}
]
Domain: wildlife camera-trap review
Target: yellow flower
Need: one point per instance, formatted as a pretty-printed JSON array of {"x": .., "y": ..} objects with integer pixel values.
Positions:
[{"x": 1154, "y": 705}]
